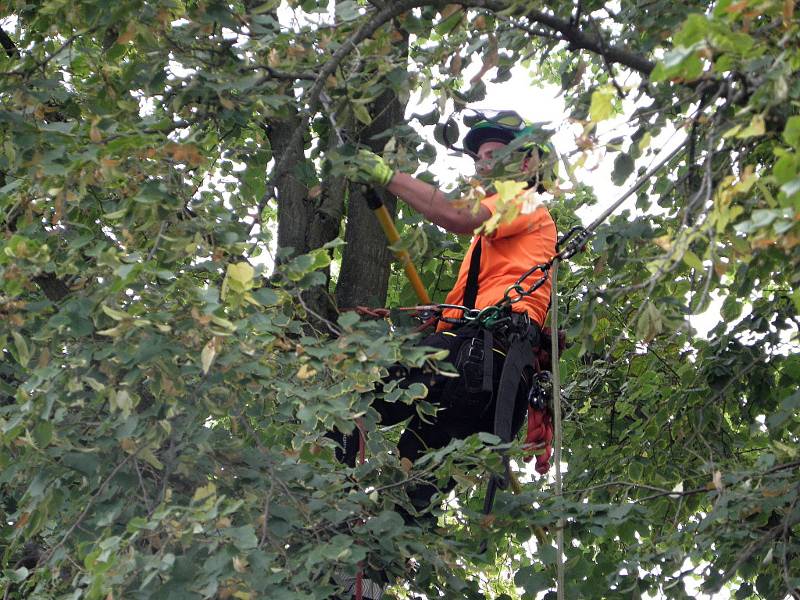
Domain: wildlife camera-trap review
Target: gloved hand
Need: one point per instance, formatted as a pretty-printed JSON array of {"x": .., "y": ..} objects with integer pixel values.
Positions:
[
  {"x": 539, "y": 441},
  {"x": 369, "y": 168}
]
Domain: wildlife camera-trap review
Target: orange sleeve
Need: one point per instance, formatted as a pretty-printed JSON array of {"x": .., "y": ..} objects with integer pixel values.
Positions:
[{"x": 521, "y": 223}]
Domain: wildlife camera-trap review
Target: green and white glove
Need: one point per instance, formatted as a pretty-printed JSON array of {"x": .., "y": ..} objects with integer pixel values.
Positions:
[{"x": 369, "y": 168}]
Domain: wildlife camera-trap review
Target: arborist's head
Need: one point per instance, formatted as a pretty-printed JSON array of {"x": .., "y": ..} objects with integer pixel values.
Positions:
[{"x": 493, "y": 133}]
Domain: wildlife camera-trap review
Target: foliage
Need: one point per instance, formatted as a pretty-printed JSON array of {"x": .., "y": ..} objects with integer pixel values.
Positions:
[{"x": 164, "y": 394}]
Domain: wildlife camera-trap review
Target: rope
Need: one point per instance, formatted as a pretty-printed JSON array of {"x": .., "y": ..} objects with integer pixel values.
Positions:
[
  {"x": 557, "y": 425},
  {"x": 575, "y": 244},
  {"x": 362, "y": 456}
]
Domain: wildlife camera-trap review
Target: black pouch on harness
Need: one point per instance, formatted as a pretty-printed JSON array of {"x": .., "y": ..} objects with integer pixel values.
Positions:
[{"x": 470, "y": 394}]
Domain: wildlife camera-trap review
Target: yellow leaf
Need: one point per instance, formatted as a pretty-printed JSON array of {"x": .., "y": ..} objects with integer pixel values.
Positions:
[
  {"x": 240, "y": 565},
  {"x": 664, "y": 242},
  {"x": 756, "y": 128},
  {"x": 204, "y": 492},
  {"x": 208, "y": 354},
  {"x": 223, "y": 523},
  {"x": 449, "y": 10},
  {"x": 788, "y": 12},
  {"x": 242, "y": 272},
  {"x": 602, "y": 105},
  {"x": 490, "y": 60},
  {"x": 305, "y": 372},
  {"x": 184, "y": 153},
  {"x": 115, "y": 314},
  {"x": 508, "y": 190}
]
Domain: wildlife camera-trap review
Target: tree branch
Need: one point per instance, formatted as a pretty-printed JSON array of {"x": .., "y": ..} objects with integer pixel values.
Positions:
[
  {"x": 571, "y": 33},
  {"x": 8, "y": 45},
  {"x": 753, "y": 547}
]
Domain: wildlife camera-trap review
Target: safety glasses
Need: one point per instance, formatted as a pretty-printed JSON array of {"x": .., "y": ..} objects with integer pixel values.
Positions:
[{"x": 507, "y": 119}]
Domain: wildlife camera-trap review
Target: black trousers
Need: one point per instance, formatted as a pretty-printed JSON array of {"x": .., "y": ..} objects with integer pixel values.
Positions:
[{"x": 463, "y": 407}]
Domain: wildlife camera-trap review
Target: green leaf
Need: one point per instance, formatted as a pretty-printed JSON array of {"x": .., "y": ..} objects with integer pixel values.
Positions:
[
  {"x": 791, "y": 133},
  {"x": 532, "y": 581},
  {"x": 450, "y": 23},
  {"x": 547, "y": 554},
  {"x": 23, "y": 353},
  {"x": 757, "y": 127},
  {"x": 791, "y": 188},
  {"x": 650, "y": 323},
  {"x": 691, "y": 259},
  {"x": 244, "y": 538},
  {"x": 361, "y": 113},
  {"x": 623, "y": 167}
]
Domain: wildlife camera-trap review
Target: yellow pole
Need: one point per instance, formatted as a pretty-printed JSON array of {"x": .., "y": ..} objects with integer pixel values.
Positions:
[{"x": 385, "y": 219}]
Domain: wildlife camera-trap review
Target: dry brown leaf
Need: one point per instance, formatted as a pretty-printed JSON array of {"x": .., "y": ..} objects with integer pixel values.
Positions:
[
  {"x": 184, "y": 153},
  {"x": 456, "y": 63},
  {"x": 449, "y": 10},
  {"x": 127, "y": 35},
  {"x": 788, "y": 12}
]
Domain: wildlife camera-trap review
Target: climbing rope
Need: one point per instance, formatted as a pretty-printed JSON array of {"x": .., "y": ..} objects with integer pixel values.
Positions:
[{"x": 556, "y": 374}]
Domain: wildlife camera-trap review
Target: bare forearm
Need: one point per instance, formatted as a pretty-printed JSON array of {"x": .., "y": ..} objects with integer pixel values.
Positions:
[{"x": 432, "y": 203}]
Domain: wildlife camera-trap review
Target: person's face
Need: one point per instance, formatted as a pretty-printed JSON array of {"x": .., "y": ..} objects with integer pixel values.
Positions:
[{"x": 485, "y": 163}]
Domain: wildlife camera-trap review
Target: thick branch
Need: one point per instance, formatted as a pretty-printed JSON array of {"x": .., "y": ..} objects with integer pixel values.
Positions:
[
  {"x": 8, "y": 45},
  {"x": 572, "y": 34}
]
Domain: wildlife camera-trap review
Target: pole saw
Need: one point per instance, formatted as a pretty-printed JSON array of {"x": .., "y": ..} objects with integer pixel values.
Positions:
[{"x": 385, "y": 219}]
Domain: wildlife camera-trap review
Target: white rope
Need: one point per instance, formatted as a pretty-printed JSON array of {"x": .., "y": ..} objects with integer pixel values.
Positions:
[{"x": 557, "y": 424}]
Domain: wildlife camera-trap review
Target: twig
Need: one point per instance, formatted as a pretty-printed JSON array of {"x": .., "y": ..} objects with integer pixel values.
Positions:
[
  {"x": 265, "y": 514},
  {"x": 331, "y": 327},
  {"x": 154, "y": 249},
  {"x": 620, "y": 92},
  {"x": 69, "y": 41},
  {"x": 142, "y": 486},
  {"x": 90, "y": 503},
  {"x": 754, "y": 547}
]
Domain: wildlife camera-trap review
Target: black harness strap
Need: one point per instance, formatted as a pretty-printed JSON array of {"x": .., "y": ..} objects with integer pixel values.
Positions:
[
  {"x": 471, "y": 287},
  {"x": 520, "y": 354},
  {"x": 470, "y": 296}
]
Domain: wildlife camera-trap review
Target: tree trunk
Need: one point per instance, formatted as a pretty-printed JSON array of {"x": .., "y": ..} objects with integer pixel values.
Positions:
[{"x": 366, "y": 261}]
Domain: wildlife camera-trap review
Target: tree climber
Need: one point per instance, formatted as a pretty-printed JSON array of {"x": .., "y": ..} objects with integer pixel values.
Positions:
[{"x": 495, "y": 261}]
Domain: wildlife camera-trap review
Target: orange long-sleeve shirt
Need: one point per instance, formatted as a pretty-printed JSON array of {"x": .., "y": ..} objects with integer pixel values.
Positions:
[{"x": 506, "y": 253}]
